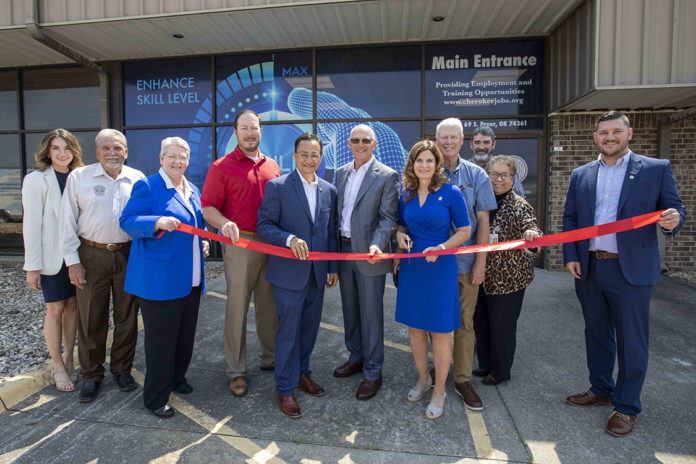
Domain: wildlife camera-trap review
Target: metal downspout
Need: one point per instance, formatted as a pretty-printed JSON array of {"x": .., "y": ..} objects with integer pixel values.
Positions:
[{"x": 32, "y": 24}]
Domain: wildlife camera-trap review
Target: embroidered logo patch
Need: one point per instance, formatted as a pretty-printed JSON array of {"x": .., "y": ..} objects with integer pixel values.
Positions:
[{"x": 99, "y": 190}]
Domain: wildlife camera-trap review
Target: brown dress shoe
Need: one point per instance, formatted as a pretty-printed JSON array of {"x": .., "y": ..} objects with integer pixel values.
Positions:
[
  {"x": 587, "y": 398},
  {"x": 471, "y": 399},
  {"x": 238, "y": 386},
  {"x": 310, "y": 386},
  {"x": 620, "y": 424},
  {"x": 368, "y": 388},
  {"x": 347, "y": 369},
  {"x": 289, "y": 406}
]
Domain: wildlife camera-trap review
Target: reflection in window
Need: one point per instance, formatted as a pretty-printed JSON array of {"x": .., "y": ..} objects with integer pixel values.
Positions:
[
  {"x": 144, "y": 148},
  {"x": 10, "y": 195},
  {"x": 376, "y": 82},
  {"x": 8, "y": 101},
  {"x": 61, "y": 97},
  {"x": 262, "y": 83}
]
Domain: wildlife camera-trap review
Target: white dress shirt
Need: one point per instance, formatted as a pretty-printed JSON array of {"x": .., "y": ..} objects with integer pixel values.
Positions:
[
  {"x": 353, "y": 183},
  {"x": 91, "y": 207},
  {"x": 188, "y": 191},
  {"x": 310, "y": 190}
]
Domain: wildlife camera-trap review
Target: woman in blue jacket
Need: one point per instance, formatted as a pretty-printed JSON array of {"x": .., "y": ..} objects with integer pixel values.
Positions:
[{"x": 167, "y": 274}]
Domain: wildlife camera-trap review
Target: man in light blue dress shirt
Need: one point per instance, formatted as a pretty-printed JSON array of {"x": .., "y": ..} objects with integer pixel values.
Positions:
[{"x": 473, "y": 181}]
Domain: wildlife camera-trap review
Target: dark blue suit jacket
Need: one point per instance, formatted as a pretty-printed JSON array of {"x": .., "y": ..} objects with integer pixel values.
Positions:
[
  {"x": 284, "y": 211},
  {"x": 160, "y": 269},
  {"x": 648, "y": 186}
]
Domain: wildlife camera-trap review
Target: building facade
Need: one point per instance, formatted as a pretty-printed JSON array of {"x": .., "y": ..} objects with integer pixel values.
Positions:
[{"x": 538, "y": 72}]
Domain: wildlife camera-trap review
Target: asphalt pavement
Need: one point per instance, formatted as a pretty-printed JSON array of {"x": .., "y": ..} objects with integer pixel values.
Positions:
[{"x": 524, "y": 420}]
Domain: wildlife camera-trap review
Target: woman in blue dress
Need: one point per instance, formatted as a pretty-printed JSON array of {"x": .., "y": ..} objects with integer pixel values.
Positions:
[{"x": 427, "y": 299}]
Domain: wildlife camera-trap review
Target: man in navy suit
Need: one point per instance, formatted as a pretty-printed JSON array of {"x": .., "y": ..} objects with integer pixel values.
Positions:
[
  {"x": 298, "y": 211},
  {"x": 615, "y": 273}
]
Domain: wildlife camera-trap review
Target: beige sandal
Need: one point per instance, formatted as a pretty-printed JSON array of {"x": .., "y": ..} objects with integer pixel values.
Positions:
[{"x": 63, "y": 382}]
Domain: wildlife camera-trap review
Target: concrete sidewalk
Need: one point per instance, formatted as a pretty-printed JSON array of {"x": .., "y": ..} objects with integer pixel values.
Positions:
[{"x": 524, "y": 420}]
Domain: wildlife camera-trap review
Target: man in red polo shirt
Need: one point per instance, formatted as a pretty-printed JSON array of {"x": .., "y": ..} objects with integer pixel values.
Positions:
[{"x": 231, "y": 199}]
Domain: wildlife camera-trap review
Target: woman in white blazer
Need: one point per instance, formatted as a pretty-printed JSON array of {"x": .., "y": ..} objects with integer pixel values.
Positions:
[{"x": 58, "y": 154}]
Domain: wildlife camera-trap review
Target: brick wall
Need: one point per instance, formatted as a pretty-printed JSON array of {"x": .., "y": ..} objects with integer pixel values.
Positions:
[{"x": 573, "y": 132}]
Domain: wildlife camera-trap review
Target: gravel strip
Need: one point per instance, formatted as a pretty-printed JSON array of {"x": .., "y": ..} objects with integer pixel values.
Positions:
[{"x": 22, "y": 312}]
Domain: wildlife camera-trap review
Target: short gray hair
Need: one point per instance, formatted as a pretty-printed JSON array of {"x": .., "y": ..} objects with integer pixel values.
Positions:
[
  {"x": 111, "y": 133},
  {"x": 483, "y": 130},
  {"x": 175, "y": 142},
  {"x": 453, "y": 123},
  {"x": 508, "y": 160},
  {"x": 367, "y": 128}
]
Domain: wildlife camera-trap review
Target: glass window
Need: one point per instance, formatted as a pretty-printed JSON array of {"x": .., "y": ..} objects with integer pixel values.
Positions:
[
  {"x": 525, "y": 153},
  {"x": 8, "y": 101},
  {"x": 277, "y": 142},
  {"x": 277, "y": 86},
  {"x": 85, "y": 139},
  {"x": 484, "y": 78},
  {"x": 10, "y": 195},
  {"x": 144, "y": 148},
  {"x": 167, "y": 92},
  {"x": 61, "y": 97},
  {"x": 394, "y": 140},
  {"x": 379, "y": 82}
]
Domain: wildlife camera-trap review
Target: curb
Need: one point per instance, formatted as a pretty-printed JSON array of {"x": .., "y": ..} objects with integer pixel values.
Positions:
[{"x": 22, "y": 386}]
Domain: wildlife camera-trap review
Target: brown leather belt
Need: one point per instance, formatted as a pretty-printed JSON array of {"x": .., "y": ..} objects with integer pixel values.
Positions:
[
  {"x": 345, "y": 239},
  {"x": 601, "y": 254},
  {"x": 105, "y": 246},
  {"x": 248, "y": 234}
]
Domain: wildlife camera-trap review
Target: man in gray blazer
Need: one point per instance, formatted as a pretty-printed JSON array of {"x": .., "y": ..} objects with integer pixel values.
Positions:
[{"x": 368, "y": 207}]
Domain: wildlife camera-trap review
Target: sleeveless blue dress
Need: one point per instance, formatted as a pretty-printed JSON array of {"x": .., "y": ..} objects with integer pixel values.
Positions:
[{"x": 427, "y": 297}]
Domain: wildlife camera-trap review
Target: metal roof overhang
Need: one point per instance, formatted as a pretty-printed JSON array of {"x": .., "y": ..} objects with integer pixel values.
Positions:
[
  {"x": 286, "y": 26},
  {"x": 635, "y": 98}
]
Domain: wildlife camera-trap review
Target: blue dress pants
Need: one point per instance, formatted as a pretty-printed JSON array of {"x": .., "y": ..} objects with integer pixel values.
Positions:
[
  {"x": 616, "y": 324},
  {"x": 299, "y": 315}
]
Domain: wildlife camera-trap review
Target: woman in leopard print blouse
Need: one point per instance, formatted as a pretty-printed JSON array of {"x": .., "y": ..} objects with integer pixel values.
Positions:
[{"x": 508, "y": 273}]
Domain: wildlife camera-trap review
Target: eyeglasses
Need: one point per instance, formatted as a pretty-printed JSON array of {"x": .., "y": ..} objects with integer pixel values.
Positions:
[
  {"x": 307, "y": 156},
  {"x": 495, "y": 175},
  {"x": 363, "y": 141},
  {"x": 171, "y": 157}
]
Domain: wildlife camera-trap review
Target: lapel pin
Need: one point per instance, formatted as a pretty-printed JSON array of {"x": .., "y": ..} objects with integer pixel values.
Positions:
[{"x": 439, "y": 198}]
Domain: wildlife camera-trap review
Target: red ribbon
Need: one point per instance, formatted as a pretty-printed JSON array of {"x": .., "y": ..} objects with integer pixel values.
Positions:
[{"x": 623, "y": 225}]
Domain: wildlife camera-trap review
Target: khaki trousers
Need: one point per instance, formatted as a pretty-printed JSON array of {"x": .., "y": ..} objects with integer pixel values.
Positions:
[
  {"x": 105, "y": 272},
  {"x": 245, "y": 272},
  {"x": 464, "y": 337}
]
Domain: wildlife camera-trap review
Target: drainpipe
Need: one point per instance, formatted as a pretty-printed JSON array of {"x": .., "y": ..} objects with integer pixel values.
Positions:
[
  {"x": 32, "y": 24},
  {"x": 664, "y": 138}
]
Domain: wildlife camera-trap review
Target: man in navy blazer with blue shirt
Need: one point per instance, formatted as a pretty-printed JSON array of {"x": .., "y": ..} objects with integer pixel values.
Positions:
[
  {"x": 298, "y": 211},
  {"x": 615, "y": 273}
]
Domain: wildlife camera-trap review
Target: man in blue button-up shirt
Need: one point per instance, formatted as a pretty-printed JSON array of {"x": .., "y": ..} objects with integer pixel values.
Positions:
[{"x": 476, "y": 187}]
